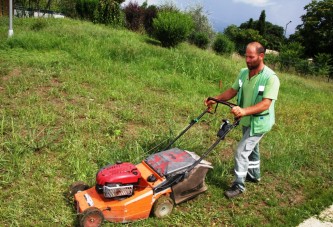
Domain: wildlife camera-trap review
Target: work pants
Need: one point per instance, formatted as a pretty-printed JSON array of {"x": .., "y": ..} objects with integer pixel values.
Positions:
[{"x": 247, "y": 158}]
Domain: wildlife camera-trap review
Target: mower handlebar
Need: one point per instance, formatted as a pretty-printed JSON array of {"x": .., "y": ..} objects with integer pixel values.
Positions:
[{"x": 229, "y": 104}]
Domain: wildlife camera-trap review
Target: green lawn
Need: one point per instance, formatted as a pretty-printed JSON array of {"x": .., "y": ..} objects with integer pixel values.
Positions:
[{"x": 76, "y": 96}]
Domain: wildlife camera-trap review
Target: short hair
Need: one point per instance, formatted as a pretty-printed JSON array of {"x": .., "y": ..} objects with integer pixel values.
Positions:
[{"x": 259, "y": 47}]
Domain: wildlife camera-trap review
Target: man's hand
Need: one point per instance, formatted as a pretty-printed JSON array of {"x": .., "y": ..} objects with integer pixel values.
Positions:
[
  {"x": 238, "y": 111},
  {"x": 209, "y": 104}
]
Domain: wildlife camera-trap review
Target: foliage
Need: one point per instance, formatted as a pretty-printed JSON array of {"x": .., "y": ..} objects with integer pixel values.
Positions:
[
  {"x": 323, "y": 64},
  {"x": 303, "y": 66},
  {"x": 291, "y": 58},
  {"x": 133, "y": 15},
  {"x": 200, "y": 39},
  {"x": 37, "y": 5},
  {"x": 231, "y": 31},
  {"x": 273, "y": 34},
  {"x": 316, "y": 30},
  {"x": 272, "y": 60},
  {"x": 150, "y": 13},
  {"x": 86, "y": 9},
  {"x": 223, "y": 45},
  {"x": 261, "y": 25},
  {"x": 108, "y": 12},
  {"x": 39, "y": 25},
  {"x": 68, "y": 8},
  {"x": 172, "y": 28},
  {"x": 169, "y": 6},
  {"x": 290, "y": 55},
  {"x": 241, "y": 37},
  {"x": 138, "y": 17},
  {"x": 201, "y": 21}
]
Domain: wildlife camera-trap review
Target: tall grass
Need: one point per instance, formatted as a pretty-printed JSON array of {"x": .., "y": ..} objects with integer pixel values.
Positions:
[{"x": 76, "y": 96}]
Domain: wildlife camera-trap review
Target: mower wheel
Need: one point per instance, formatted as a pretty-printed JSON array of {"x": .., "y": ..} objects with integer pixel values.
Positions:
[
  {"x": 91, "y": 217},
  {"x": 163, "y": 206},
  {"x": 76, "y": 187}
]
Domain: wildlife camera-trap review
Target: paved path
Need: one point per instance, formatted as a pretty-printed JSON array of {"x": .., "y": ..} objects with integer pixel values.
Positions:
[{"x": 325, "y": 219}]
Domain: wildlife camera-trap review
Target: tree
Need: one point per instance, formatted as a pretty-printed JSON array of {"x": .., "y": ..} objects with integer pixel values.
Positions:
[
  {"x": 241, "y": 37},
  {"x": 273, "y": 34},
  {"x": 201, "y": 21},
  {"x": 316, "y": 30},
  {"x": 203, "y": 31},
  {"x": 261, "y": 25}
]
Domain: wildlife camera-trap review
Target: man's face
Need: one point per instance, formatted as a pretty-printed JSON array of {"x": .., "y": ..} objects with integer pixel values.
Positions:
[{"x": 253, "y": 59}]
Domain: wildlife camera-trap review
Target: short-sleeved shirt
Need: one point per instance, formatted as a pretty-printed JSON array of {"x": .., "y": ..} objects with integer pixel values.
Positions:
[{"x": 270, "y": 92}]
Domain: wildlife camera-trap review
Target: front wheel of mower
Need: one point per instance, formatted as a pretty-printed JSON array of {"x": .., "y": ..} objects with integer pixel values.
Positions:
[
  {"x": 91, "y": 217},
  {"x": 76, "y": 187},
  {"x": 163, "y": 206}
]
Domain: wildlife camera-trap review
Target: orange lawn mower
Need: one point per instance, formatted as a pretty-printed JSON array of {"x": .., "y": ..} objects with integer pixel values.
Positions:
[{"x": 125, "y": 192}]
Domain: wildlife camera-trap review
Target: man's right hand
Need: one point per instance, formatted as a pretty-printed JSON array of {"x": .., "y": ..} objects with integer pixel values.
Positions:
[{"x": 209, "y": 104}]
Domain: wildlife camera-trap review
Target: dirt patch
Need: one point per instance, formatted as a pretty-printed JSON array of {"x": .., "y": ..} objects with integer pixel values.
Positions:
[
  {"x": 131, "y": 130},
  {"x": 13, "y": 73}
]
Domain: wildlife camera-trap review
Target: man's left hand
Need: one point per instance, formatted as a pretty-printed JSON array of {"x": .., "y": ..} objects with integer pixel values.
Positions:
[{"x": 238, "y": 111}]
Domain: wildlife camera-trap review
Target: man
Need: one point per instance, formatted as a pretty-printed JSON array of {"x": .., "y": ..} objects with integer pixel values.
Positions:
[{"x": 257, "y": 89}]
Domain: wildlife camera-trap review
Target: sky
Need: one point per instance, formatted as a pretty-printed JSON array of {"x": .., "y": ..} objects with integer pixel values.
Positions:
[{"x": 223, "y": 13}]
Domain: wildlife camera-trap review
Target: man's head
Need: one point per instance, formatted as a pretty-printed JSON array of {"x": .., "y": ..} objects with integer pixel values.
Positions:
[{"x": 254, "y": 55}]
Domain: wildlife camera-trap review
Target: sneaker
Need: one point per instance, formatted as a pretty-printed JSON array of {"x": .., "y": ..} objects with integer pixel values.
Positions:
[
  {"x": 232, "y": 192},
  {"x": 250, "y": 179}
]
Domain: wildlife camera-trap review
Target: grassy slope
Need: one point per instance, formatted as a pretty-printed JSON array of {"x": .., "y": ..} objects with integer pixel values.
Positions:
[{"x": 76, "y": 96}]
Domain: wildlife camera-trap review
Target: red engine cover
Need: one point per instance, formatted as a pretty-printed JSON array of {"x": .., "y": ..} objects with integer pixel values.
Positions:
[{"x": 122, "y": 173}]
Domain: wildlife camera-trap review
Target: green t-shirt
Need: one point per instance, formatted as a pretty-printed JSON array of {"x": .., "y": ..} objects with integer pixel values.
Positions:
[{"x": 270, "y": 92}]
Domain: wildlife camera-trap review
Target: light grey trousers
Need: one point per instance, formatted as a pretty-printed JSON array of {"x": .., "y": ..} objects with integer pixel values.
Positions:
[{"x": 247, "y": 158}]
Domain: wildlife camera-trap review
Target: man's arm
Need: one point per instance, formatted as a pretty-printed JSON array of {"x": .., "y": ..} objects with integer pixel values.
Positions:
[
  {"x": 225, "y": 96},
  {"x": 255, "y": 109}
]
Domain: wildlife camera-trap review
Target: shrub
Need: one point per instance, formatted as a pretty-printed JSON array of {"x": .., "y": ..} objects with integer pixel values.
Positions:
[
  {"x": 303, "y": 67},
  {"x": 108, "y": 12},
  {"x": 172, "y": 28},
  {"x": 149, "y": 14},
  {"x": 323, "y": 62},
  {"x": 85, "y": 9},
  {"x": 201, "y": 21},
  {"x": 223, "y": 45},
  {"x": 199, "y": 39},
  {"x": 134, "y": 16},
  {"x": 39, "y": 25},
  {"x": 290, "y": 55},
  {"x": 272, "y": 60},
  {"x": 68, "y": 8}
]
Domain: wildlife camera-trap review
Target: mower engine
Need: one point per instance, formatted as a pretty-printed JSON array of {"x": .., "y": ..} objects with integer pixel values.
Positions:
[{"x": 118, "y": 180}]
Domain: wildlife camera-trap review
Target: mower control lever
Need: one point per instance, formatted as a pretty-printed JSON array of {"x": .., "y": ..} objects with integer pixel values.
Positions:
[{"x": 222, "y": 102}]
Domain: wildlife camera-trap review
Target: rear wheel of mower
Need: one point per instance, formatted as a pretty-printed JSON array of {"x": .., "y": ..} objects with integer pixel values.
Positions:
[
  {"x": 76, "y": 187},
  {"x": 91, "y": 217},
  {"x": 163, "y": 206}
]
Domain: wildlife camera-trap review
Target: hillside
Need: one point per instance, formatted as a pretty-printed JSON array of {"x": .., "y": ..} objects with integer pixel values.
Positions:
[{"x": 76, "y": 96}]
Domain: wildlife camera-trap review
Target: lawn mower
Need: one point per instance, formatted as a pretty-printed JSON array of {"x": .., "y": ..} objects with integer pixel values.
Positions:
[{"x": 125, "y": 192}]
